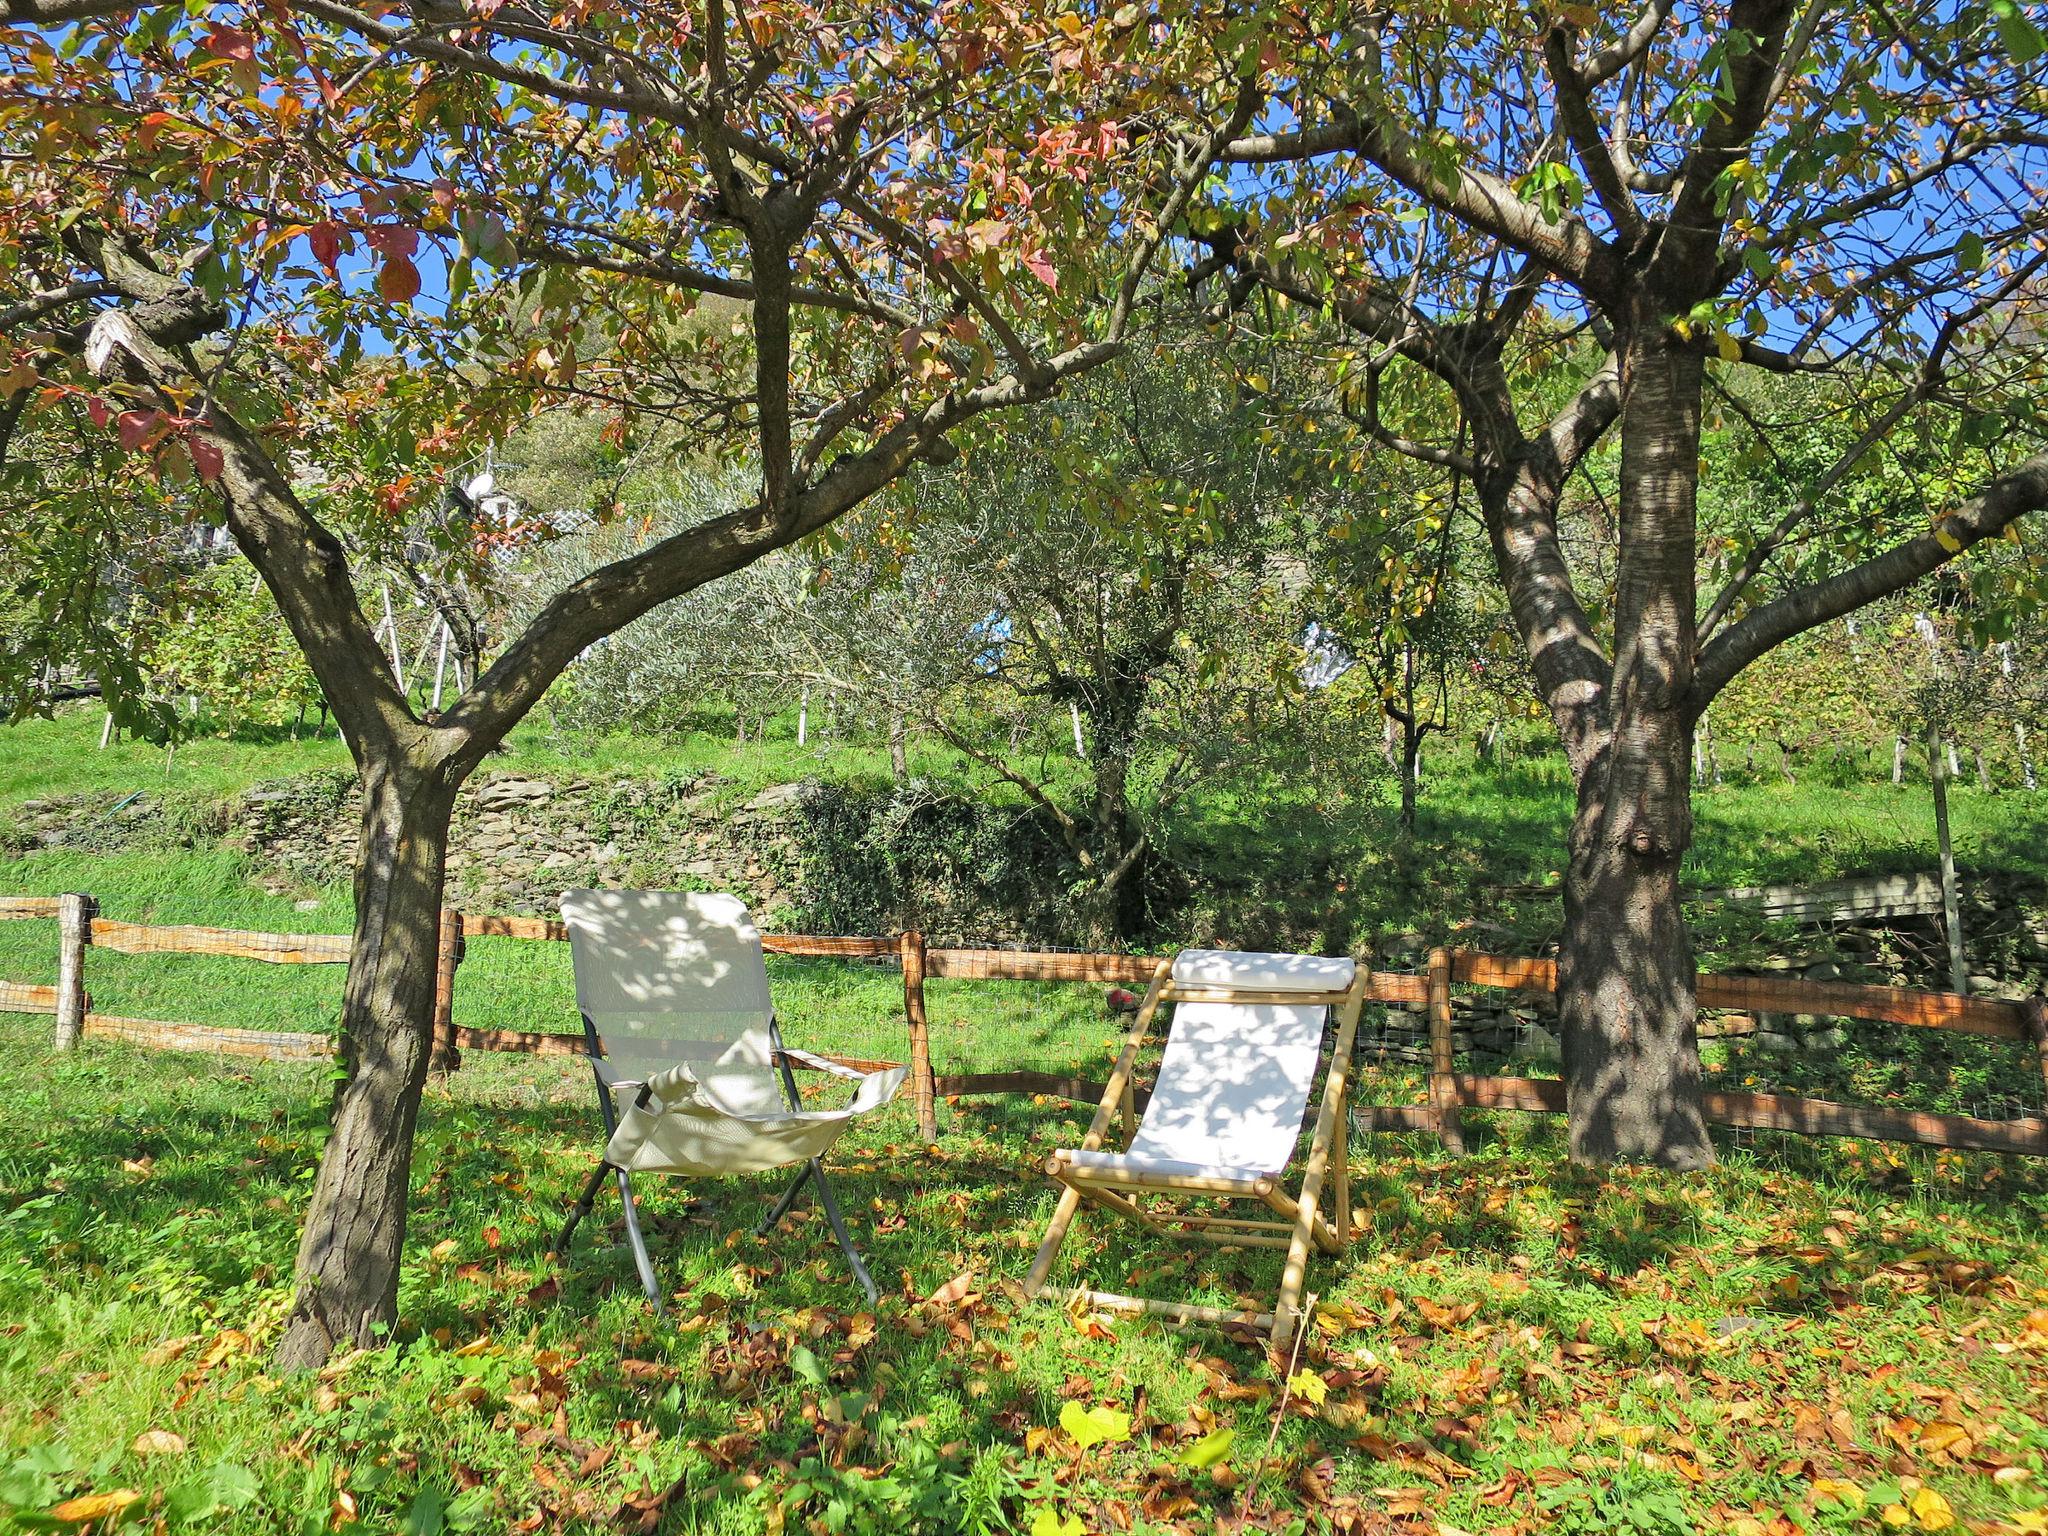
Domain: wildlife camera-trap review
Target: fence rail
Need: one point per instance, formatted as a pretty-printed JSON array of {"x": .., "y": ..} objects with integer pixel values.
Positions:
[{"x": 1450, "y": 1092}]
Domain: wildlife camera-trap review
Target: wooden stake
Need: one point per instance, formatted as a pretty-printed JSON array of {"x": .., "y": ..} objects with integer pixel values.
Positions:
[
  {"x": 74, "y": 932},
  {"x": 441, "y": 663},
  {"x": 1442, "y": 1095},
  {"x": 445, "y": 1057},
  {"x": 2037, "y": 1026},
  {"x": 923, "y": 1087}
]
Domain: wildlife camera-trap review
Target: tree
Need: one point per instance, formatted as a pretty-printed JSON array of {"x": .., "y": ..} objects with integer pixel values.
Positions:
[
  {"x": 1118, "y": 574},
  {"x": 206, "y": 223},
  {"x": 1756, "y": 185}
]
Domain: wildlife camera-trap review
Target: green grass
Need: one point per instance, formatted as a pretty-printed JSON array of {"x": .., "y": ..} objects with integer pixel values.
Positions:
[
  {"x": 1512, "y": 1344},
  {"x": 63, "y": 756}
]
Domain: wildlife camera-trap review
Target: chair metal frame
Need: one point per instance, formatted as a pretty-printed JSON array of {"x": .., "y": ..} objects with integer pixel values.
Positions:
[
  {"x": 1300, "y": 1225},
  {"x": 813, "y": 1170}
]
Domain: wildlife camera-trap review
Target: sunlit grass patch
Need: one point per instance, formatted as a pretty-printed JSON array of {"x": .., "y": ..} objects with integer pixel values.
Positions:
[{"x": 1511, "y": 1343}]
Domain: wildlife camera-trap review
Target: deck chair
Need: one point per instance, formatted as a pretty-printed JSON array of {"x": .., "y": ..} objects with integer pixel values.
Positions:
[
  {"x": 1224, "y": 1120},
  {"x": 692, "y": 1075}
]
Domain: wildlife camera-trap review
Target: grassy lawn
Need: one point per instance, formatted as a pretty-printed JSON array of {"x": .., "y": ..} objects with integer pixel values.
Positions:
[
  {"x": 1809, "y": 1334},
  {"x": 1821, "y": 1336}
]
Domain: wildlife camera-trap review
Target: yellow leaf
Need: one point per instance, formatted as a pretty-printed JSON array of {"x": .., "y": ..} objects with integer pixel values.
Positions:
[
  {"x": 442, "y": 1250},
  {"x": 1932, "y": 1510},
  {"x": 1841, "y": 1491},
  {"x": 1309, "y": 1387},
  {"x": 1895, "y": 1516},
  {"x": 1947, "y": 540},
  {"x": 1089, "y": 1425},
  {"x": 94, "y": 1506},
  {"x": 1210, "y": 1449},
  {"x": 1729, "y": 348}
]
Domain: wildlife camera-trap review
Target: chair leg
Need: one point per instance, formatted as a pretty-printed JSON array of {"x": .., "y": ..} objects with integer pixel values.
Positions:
[
  {"x": 1056, "y": 1234},
  {"x": 831, "y": 1203},
  {"x": 782, "y": 1206},
  {"x": 638, "y": 1244},
  {"x": 583, "y": 1204}
]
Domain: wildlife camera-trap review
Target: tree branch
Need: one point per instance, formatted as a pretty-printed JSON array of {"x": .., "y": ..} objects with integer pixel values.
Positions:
[{"x": 2001, "y": 503}]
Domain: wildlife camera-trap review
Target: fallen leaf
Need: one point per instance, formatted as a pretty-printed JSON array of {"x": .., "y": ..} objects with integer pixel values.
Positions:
[
  {"x": 1087, "y": 1426},
  {"x": 1931, "y": 1510},
  {"x": 157, "y": 1442},
  {"x": 94, "y": 1506}
]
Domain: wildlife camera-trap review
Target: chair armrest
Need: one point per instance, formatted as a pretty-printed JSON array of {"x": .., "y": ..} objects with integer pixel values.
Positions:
[{"x": 823, "y": 1064}]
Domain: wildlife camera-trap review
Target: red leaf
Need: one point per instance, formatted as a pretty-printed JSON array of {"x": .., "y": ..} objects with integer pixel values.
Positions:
[
  {"x": 395, "y": 239},
  {"x": 134, "y": 427},
  {"x": 398, "y": 280},
  {"x": 206, "y": 458},
  {"x": 231, "y": 43},
  {"x": 325, "y": 238},
  {"x": 97, "y": 409},
  {"x": 1041, "y": 267}
]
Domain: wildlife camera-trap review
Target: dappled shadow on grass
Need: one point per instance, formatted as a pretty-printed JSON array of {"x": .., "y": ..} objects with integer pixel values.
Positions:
[{"x": 547, "y": 1388}]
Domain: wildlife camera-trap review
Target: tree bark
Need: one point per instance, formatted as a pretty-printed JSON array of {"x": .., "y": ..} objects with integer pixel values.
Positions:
[
  {"x": 1626, "y": 993},
  {"x": 355, "y": 1224}
]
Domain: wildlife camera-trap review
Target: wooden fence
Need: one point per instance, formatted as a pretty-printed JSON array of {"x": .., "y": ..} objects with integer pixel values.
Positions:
[{"x": 80, "y": 929}]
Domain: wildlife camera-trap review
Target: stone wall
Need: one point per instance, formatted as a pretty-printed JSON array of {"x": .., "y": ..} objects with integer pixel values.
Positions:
[{"x": 518, "y": 842}]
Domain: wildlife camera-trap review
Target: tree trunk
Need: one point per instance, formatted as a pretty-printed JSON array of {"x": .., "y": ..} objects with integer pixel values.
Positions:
[
  {"x": 899, "y": 751},
  {"x": 1626, "y": 997},
  {"x": 1411, "y": 774},
  {"x": 355, "y": 1224},
  {"x": 1626, "y": 989}
]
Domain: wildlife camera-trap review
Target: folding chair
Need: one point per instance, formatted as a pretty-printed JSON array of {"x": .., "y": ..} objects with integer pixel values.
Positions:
[
  {"x": 1224, "y": 1120},
  {"x": 692, "y": 1075}
]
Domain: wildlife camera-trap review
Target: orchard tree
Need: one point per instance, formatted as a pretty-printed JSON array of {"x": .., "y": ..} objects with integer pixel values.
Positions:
[
  {"x": 1476, "y": 198},
  {"x": 213, "y": 214}
]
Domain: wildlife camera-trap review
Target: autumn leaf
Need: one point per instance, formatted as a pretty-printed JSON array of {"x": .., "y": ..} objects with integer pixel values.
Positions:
[
  {"x": 233, "y": 43},
  {"x": 1090, "y": 1426},
  {"x": 207, "y": 459},
  {"x": 157, "y": 1442},
  {"x": 954, "y": 1292},
  {"x": 395, "y": 239},
  {"x": 1049, "y": 1522},
  {"x": 398, "y": 280},
  {"x": 1309, "y": 1387},
  {"x": 1041, "y": 267},
  {"x": 325, "y": 240},
  {"x": 1931, "y": 1512},
  {"x": 1211, "y": 1449},
  {"x": 94, "y": 1506},
  {"x": 134, "y": 428},
  {"x": 1840, "y": 1491}
]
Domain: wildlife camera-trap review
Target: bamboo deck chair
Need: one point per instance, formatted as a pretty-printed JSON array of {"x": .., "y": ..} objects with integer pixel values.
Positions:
[
  {"x": 1224, "y": 1120},
  {"x": 692, "y": 1075}
]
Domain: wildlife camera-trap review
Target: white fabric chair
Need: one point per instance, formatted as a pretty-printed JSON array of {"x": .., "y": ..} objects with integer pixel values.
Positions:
[
  {"x": 1225, "y": 1117},
  {"x": 692, "y": 1074}
]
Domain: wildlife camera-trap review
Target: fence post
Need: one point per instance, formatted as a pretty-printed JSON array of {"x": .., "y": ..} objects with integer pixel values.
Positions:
[
  {"x": 923, "y": 1087},
  {"x": 74, "y": 932},
  {"x": 2037, "y": 1026},
  {"x": 1443, "y": 1093},
  {"x": 447, "y": 956}
]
